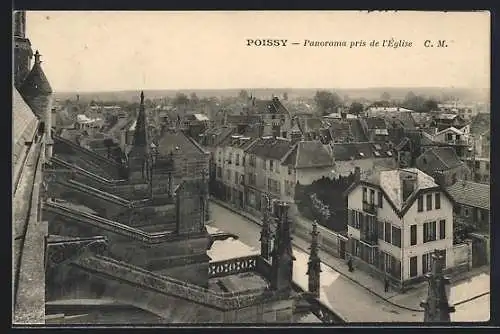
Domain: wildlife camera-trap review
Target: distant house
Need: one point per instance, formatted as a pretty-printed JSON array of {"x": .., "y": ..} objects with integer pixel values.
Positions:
[
  {"x": 482, "y": 144},
  {"x": 367, "y": 156},
  {"x": 376, "y": 128},
  {"x": 456, "y": 138},
  {"x": 444, "y": 121},
  {"x": 480, "y": 168},
  {"x": 443, "y": 162},
  {"x": 410, "y": 145},
  {"x": 472, "y": 203}
]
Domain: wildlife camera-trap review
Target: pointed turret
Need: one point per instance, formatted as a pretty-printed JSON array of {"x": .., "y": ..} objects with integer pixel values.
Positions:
[
  {"x": 36, "y": 89},
  {"x": 282, "y": 257},
  {"x": 436, "y": 307},
  {"x": 314, "y": 264},
  {"x": 265, "y": 232}
]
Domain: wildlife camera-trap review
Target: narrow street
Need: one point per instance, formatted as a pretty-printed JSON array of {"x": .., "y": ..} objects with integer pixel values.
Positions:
[{"x": 346, "y": 298}]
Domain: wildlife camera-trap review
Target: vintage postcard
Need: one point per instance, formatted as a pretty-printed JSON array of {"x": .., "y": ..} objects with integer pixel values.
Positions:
[{"x": 256, "y": 167}]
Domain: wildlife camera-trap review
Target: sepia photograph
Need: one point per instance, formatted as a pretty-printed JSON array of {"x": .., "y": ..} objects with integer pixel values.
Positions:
[{"x": 250, "y": 167}]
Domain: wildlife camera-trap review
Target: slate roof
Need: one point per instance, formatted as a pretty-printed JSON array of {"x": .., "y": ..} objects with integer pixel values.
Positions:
[
  {"x": 270, "y": 148},
  {"x": 471, "y": 193},
  {"x": 242, "y": 119},
  {"x": 177, "y": 142},
  {"x": 357, "y": 132},
  {"x": 401, "y": 119},
  {"x": 36, "y": 82},
  {"x": 438, "y": 159},
  {"x": 356, "y": 151},
  {"x": 239, "y": 141},
  {"x": 270, "y": 106},
  {"x": 421, "y": 118},
  {"x": 376, "y": 123},
  {"x": 312, "y": 154},
  {"x": 310, "y": 124},
  {"x": 339, "y": 130},
  {"x": 24, "y": 123}
]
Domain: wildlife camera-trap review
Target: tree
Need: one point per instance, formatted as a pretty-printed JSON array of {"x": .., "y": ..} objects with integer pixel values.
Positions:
[
  {"x": 356, "y": 108},
  {"x": 243, "y": 95},
  {"x": 385, "y": 96},
  {"x": 327, "y": 101},
  {"x": 194, "y": 98},
  {"x": 180, "y": 99},
  {"x": 430, "y": 105}
]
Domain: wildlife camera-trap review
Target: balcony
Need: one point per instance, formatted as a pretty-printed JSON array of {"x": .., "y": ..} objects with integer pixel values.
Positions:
[
  {"x": 458, "y": 142},
  {"x": 369, "y": 237},
  {"x": 369, "y": 208}
]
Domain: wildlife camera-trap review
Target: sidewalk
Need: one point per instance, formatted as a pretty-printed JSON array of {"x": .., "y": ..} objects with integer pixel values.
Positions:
[{"x": 409, "y": 300}]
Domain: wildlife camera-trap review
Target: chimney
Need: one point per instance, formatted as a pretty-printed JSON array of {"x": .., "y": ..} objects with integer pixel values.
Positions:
[
  {"x": 357, "y": 174},
  {"x": 408, "y": 183},
  {"x": 440, "y": 179}
]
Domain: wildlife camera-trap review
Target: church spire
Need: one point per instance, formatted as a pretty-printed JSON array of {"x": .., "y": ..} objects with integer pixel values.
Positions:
[
  {"x": 140, "y": 133},
  {"x": 436, "y": 307},
  {"x": 314, "y": 264}
]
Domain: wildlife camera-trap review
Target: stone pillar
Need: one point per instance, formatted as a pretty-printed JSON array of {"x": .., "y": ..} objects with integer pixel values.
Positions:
[
  {"x": 436, "y": 307},
  {"x": 265, "y": 233},
  {"x": 282, "y": 256},
  {"x": 314, "y": 264}
]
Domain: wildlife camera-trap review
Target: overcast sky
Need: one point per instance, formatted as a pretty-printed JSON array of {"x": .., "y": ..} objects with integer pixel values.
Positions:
[{"x": 96, "y": 51}]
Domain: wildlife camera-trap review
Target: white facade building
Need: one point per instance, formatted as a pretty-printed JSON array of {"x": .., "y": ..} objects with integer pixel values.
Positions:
[{"x": 396, "y": 219}]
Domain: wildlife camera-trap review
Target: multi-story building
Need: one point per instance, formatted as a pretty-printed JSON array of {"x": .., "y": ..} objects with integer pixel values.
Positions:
[
  {"x": 249, "y": 169},
  {"x": 396, "y": 219},
  {"x": 230, "y": 169}
]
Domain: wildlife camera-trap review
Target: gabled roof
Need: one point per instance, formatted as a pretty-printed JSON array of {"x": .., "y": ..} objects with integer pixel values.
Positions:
[
  {"x": 388, "y": 182},
  {"x": 270, "y": 148},
  {"x": 438, "y": 159},
  {"x": 450, "y": 129},
  {"x": 356, "y": 151},
  {"x": 471, "y": 193},
  {"x": 312, "y": 154}
]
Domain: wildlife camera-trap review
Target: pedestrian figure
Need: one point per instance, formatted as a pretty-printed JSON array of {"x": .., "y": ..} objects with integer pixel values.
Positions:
[
  {"x": 349, "y": 264},
  {"x": 386, "y": 284}
]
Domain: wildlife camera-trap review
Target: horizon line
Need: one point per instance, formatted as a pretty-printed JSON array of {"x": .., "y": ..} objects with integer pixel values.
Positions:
[{"x": 271, "y": 88}]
